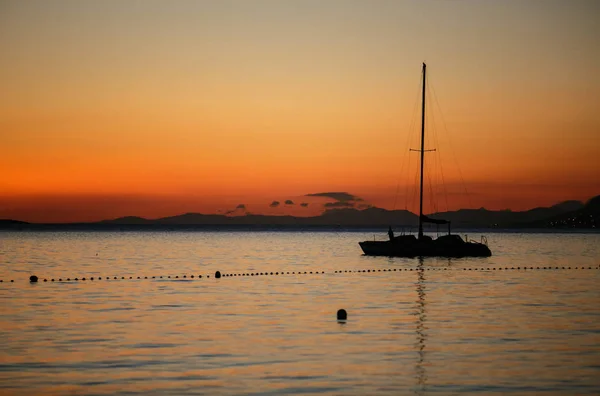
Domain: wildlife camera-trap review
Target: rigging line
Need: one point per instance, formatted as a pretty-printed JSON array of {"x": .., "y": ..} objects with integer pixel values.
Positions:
[
  {"x": 436, "y": 143},
  {"x": 406, "y": 151},
  {"x": 406, "y": 183},
  {"x": 431, "y": 196},
  {"x": 451, "y": 147},
  {"x": 439, "y": 162},
  {"x": 428, "y": 172},
  {"x": 415, "y": 188}
]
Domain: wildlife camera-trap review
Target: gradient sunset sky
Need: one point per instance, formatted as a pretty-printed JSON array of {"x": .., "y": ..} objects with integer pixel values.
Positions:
[{"x": 156, "y": 108}]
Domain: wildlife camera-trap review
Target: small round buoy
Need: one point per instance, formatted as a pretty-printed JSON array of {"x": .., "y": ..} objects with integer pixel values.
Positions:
[
  {"x": 33, "y": 279},
  {"x": 218, "y": 274},
  {"x": 341, "y": 314}
]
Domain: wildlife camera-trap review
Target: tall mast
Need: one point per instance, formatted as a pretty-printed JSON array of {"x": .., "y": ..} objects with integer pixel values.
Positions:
[{"x": 422, "y": 153}]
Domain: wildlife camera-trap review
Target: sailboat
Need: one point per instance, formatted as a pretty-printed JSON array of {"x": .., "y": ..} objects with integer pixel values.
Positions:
[{"x": 450, "y": 245}]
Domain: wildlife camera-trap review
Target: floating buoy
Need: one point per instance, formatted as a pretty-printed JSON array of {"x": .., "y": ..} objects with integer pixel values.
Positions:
[
  {"x": 33, "y": 279},
  {"x": 341, "y": 314},
  {"x": 218, "y": 274}
]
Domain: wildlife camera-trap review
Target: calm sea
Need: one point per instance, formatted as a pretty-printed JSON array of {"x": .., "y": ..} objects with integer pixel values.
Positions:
[{"x": 441, "y": 326}]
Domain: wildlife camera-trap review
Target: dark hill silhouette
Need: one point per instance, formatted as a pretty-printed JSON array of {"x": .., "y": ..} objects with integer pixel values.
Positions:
[
  {"x": 372, "y": 217},
  {"x": 588, "y": 216},
  {"x": 504, "y": 218},
  {"x": 568, "y": 214},
  {"x": 13, "y": 222},
  {"x": 569, "y": 206},
  {"x": 127, "y": 220}
]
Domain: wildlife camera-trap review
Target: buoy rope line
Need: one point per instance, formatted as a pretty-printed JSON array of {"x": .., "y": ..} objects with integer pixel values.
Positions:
[{"x": 218, "y": 274}]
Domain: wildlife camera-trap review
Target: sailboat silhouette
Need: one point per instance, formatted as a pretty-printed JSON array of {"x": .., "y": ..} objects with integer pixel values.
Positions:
[{"x": 450, "y": 245}]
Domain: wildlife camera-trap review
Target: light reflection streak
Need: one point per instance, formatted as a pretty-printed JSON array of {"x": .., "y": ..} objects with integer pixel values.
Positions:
[{"x": 420, "y": 372}]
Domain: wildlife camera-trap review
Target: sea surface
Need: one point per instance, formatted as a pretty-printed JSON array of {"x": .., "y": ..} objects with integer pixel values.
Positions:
[{"x": 435, "y": 326}]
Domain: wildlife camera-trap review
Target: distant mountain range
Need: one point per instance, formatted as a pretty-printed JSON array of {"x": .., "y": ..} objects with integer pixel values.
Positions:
[{"x": 568, "y": 214}]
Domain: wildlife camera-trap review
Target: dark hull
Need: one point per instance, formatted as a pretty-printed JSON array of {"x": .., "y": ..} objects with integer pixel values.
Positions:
[{"x": 424, "y": 249}]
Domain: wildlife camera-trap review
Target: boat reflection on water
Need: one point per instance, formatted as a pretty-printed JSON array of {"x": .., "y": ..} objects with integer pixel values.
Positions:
[{"x": 421, "y": 330}]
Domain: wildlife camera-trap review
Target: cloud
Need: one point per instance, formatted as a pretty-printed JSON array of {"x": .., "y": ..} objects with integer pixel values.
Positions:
[
  {"x": 304, "y": 204},
  {"x": 274, "y": 204},
  {"x": 289, "y": 202},
  {"x": 339, "y": 204},
  {"x": 338, "y": 196},
  {"x": 239, "y": 208},
  {"x": 342, "y": 200}
]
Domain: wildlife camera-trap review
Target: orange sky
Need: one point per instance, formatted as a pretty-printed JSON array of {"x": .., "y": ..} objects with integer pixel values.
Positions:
[{"x": 156, "y": 108}]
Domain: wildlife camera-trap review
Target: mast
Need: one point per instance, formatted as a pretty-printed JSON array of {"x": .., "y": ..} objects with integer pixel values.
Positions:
[{"x": 422, "y": 153}]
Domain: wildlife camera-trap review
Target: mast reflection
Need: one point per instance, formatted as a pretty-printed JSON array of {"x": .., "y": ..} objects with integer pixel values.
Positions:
[{"x": 421, "y": 330}]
